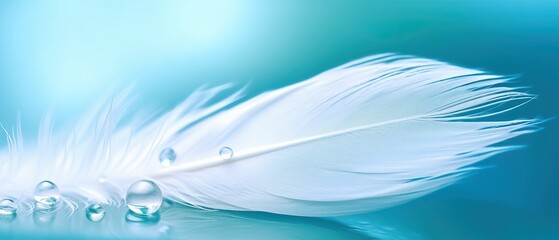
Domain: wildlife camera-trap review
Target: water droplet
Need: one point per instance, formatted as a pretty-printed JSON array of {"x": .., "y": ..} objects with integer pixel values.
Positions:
[
  {"x": 8, "y": 209},
  {"x": 95, "y": 212},
  {"x": 144, "y": 197},
  {"x": 46, "y": 193},
  {"x": 167, "y": 157},
  {"x": 226, "y": 153}
]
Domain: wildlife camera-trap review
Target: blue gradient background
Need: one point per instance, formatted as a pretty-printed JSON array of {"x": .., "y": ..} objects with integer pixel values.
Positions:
[{"x": 63, "y": 55}]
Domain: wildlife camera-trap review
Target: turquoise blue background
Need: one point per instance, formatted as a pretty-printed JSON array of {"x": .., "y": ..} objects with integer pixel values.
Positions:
[{"x": 63, "y": 55}]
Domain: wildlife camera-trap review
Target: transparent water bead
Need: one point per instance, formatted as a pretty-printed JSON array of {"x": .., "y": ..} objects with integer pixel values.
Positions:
[
  {"x": 95, "y": 212},
  {"x": 226, "y": 153},
  {"x": 46, "y": 193},
  {"x": 8, "y": 209},
  {"x": 144, "y": 197},
  {"x": 167, "y": 157}
]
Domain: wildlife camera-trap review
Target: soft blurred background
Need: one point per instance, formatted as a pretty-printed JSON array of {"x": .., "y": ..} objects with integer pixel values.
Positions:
[{"x": 63, "y": 55}]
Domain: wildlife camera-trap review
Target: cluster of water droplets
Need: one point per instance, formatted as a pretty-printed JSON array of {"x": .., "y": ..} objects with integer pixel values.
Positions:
[
  {"x": 143, "y": 197},
  {"x": 168, "y": 156}
]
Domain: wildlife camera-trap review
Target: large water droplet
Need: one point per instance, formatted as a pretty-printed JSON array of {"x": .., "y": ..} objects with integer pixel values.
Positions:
[
  {"x": 167, "y": 157},
  {"x": 226, "y": 153},
  {"x": 46, "y": 194},
  {"x": 8, "y": 209},
  {"x": 144, "y": 197},
  {"x": 95, "y": 212}
]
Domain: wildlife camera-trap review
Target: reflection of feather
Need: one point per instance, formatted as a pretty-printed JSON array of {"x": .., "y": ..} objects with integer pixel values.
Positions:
[
  {"x": 178, "y": 222},
  {"x": 366, "y": 135}
]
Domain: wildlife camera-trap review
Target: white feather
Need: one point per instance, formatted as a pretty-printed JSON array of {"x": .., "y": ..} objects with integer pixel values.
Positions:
[{"x": 367, "y": 135}]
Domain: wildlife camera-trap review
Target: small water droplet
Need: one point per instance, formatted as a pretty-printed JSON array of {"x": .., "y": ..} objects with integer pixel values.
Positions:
[
  {"x": 8, "y": 209},
  {"x": 47, "y": 193},
  {"x": 144, "y": 197},
  {"x": 226, "y": 153},
  {"x": 167, "y": 157},
  {"x": 95, "y": 212}
]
